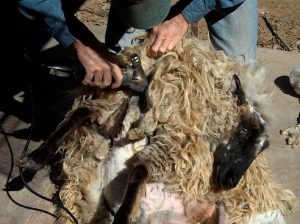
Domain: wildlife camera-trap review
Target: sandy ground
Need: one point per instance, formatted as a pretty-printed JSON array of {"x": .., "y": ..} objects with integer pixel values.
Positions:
[{"x": 284, "y": 15}]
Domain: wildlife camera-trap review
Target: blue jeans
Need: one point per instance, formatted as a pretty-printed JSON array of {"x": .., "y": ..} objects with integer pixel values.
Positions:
[{"x": 234, "y": 30}]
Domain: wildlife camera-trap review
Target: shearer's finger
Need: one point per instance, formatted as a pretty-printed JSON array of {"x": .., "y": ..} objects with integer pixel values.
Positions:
[{"x": 118, "y": 76}]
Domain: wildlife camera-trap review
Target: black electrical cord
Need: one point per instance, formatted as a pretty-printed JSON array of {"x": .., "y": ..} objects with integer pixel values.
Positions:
[
  {"x": 25, "y": 152},
  {"x": 26, "y": 148},
  {"x": 21, "y": 169},
  {"x": 10, "y": 173}
]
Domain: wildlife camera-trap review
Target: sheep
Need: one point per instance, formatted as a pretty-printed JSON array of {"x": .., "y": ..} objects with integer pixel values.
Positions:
[
  {"x": 183, "y": 136},
  {"x": 292, "y": 133}
]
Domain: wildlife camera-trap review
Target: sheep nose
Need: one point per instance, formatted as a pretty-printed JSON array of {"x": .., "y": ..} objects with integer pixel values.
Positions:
[{"x": 228, "y": 181}]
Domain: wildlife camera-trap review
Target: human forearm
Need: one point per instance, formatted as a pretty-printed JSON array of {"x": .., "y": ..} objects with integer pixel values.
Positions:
[
  {"x": 197, "y": 9},
  {"x": 99, "y": 70},
  {"x": 51, "y": 15}
]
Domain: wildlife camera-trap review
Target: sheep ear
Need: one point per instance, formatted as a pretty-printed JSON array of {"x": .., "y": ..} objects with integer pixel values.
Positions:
[{"x": 237, "y": 90}]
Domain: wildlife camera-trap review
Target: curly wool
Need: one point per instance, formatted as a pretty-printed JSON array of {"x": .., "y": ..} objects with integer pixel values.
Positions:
[{"x": 191, "y": 109}]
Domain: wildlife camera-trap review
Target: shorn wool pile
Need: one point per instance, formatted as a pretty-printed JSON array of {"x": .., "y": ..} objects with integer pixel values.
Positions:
[{"x": 194, "y": 137}]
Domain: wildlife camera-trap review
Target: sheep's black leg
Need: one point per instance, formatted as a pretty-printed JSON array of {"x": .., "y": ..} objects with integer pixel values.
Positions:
[
  {"x": 46, "y": 152},
  {"x": 17, "y": 183},
  {"x": 43, "y": 155},
  {"x": 137, "y": 178}
]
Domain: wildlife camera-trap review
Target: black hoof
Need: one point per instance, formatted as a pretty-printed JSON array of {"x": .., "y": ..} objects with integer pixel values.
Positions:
[{"x": 29, "y": 164}]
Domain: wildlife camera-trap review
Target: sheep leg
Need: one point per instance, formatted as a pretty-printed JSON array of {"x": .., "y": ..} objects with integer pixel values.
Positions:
[
  {"x": 46, "y": 152},
  {"x": 17, "y": 183},
  {"x": 136, "y": 182},
  {"x": 222, "y": 217}
]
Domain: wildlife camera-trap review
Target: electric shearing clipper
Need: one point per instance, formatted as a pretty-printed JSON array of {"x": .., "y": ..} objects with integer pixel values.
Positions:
[{"x": 133, "y": 75}]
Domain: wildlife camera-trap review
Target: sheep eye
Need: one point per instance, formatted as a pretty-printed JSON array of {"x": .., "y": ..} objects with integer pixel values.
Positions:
[
  {"x": 244, "y": 131},
  {"x": 244, "y": 134}
]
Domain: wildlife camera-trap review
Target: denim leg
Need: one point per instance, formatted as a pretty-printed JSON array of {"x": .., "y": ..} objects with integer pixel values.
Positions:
[
  {"x": 118, "y": 34},
  {"x": 235, "y": 30}
]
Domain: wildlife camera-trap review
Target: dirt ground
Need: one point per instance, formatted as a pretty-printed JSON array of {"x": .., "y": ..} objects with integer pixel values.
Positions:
[{"x": 283, "y": 15}]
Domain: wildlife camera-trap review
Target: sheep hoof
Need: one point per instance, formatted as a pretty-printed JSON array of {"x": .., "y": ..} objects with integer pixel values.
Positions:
[
  {"x": 292, "y": 134},
  {"x": 29, "y": 164},
  {"x": 18, "y": 183}
]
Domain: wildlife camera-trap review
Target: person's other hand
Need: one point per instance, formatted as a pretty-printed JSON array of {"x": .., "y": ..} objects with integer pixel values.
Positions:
[
  {"x": 99, "y": 70},
  {"x": 166, "y": 35}
]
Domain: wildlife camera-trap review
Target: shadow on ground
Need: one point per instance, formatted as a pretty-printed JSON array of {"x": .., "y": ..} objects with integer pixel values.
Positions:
[{"x": 283, "y": 83}]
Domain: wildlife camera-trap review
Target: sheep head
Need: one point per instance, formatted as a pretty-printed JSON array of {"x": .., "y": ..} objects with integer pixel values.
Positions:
[{"x": 237, "y": 151}]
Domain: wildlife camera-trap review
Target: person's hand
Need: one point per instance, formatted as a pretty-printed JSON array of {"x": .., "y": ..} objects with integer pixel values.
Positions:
[
  {"x": 99, "y": 70},
  {"x": 166, "y": 35}
]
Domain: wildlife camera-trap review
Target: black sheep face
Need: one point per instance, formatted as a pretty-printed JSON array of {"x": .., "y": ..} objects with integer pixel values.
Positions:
[{"x": 235, "y": 154}]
